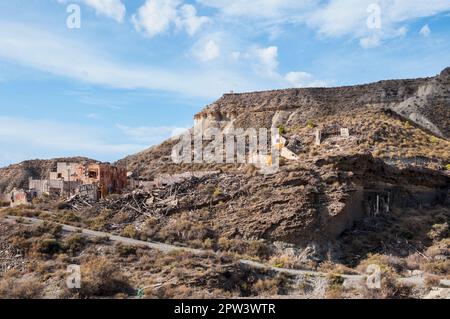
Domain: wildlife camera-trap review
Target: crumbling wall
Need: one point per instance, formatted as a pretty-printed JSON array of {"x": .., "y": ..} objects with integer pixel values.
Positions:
[
  {"x": 52, "y": 187},
  {"x": 19, "y": 198}
]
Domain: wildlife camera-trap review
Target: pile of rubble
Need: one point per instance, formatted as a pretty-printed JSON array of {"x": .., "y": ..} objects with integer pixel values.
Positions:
[
  {"x": 159, "y": 201},
  {"x": 78, "y": 202}
]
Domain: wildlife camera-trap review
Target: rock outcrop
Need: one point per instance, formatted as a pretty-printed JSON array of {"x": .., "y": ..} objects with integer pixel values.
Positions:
[{"x": 424, "y": 101}]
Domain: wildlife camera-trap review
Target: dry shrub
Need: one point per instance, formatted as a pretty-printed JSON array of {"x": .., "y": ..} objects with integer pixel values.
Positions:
[
  {"x": 169, "y": 292},
  {"x": 74, "y": 243},
  {"x": 264, "y": 287},
  {"x": 335, "y": 287},
  {"x": 334, "y": 292},
  {"x": 254, "y": 248},
  {"x": 14, "y": 288},
  {"x": 438, "y": 231},
  {"x": 283, "y": 261},
  {"x": 100, "y": 220},
  {"x": 432, "y": 281},
  {"x": 47, "y": 246},
  {"x": 186, "y": 227},
  {"x": 130, "y": 232},
  {"x": 125, "y": 250},
  {"x": 390, "y": 288},
  {"x": 437, "y": 267},
  {"x": 102, "y": 278},
  {"x": 340, "y": 269},
  {"x": 151, "y": 227},
  {"x": 381, "y": 261}
]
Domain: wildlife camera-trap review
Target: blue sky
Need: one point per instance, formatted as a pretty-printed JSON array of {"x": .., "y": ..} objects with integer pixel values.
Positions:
[{"x": 136, "y": 71}]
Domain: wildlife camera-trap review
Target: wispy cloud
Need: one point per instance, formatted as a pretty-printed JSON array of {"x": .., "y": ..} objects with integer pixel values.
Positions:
[
  {"x": 114, "y": 9},
  {"x": 59, "y": 136},
  {"x": 24, "y": 138},
  {"x": 332, "y": 18},
  {"x": 55, "y": 54},
  {"x": 151, "y": 135}
]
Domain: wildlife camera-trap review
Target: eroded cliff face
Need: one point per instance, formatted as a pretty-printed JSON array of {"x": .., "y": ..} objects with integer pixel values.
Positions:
[{"x": 425, "y": 102}]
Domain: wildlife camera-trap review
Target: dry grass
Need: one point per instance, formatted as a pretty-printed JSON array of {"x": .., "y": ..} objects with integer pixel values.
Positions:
[
  {"x": 100, "y": 277},
  {"x": 11, "y": 287}
]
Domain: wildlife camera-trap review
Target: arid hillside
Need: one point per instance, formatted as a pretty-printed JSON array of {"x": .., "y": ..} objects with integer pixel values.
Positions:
[{"x": 414, "y": 116}]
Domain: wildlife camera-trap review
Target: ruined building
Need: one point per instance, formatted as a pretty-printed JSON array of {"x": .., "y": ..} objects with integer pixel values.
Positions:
[{"x": 94, "y": 180}]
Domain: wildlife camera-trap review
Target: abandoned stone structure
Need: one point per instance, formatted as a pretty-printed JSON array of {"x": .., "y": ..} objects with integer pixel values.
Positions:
[
  {"x": 18, "y": 197},
  {"x": 70, "y": 178},
  {"x": 52, "y": 186}
]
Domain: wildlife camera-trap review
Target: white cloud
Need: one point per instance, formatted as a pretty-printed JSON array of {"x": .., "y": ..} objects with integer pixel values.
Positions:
[
  {"x": 190, "y": 20},
  {"x": 331, "y": 18},
  {"x": 425, "y": 31},
  {"x": 206, "y": 51},
  {"x": 370, "y": 42},
  {"x": 111, "y": 8},
  {"x": 59, "y": 55},
  {"x": 36, "y": 137},
  {"x": 260, "y": 9},
  {"x": 157, "y": 16},
  {"x": 303, "y": 79},
  {"x": 268, "y": 58},
  {"x": 268, "y": 67},
  {"x": 349, "y": 18},
  {"x": 92, "y": 116},
  {"x": 151, "y": 135}
]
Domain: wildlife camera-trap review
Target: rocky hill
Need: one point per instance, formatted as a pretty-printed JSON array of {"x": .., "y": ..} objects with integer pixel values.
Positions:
[
  {"x": 17, "y": 175},
  {"x": 395, "y": 157},
  {"x": 423, "y": 104}
]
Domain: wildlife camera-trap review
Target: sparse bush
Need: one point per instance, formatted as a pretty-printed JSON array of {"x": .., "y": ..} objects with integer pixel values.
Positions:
[
  {"x": 266, "y": 287},
  {"x": 15, "y": 288},
  {"x": 335, "y": 287},
  {"x": 391, "y": 288},
  {"x": 438, "y": 231},
  {"x": 47, "y": 246},
  {"x": 283, "y": 261},
  {"x": 151, "y": 227},
  {"x": 4, "y": 203},
  {"x": 437, "y": 267},
  {"x": 217, "y": 192},
  {"x": 338, "y": 269},
  {"x": 130, "y": 232},
  {"x": 281, "y": 130},
  {"x": 310, "y": 124},
  {"x": 432, "y": 281},
  {"x": 74, "y": 243},
  {"x": 258, "y": 249},
  {"x": 208, "y": 243},
  {"x": 381, "y": 261},
  {"x": 125, "y": 250},
  {"x": 102, "y": 278},
  {"x": 186, "y": 227},
  {"x": 69, "y": 217}
]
